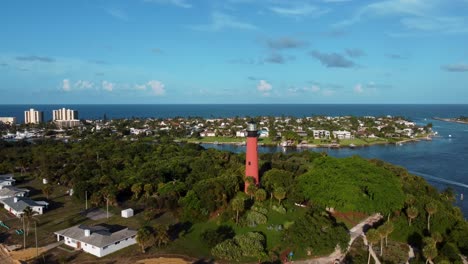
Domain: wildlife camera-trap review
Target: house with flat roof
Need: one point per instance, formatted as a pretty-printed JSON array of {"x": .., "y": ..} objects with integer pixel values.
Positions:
[
  {"x": 99, "y": 240},
  {"x": 16, "y": 205},
  {"x": 11, "y": 191}
]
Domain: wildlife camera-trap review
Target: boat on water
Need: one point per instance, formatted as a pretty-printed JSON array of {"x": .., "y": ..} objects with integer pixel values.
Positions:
[{"x": 352, "y": 145}]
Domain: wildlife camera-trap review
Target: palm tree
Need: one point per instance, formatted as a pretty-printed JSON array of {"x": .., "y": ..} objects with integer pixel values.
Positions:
[
  {"x": 260, "y": 195},
  {"x": 136, "y": 189},
  {"x": 279, "y": 194},
  {"x": 388, "y": 229},
  {"x": 47, "y": 191},
  {"x": 148, "y": 188},
  {"x": 237, "y": 205},
  {"x": 381, "y": 232},
  {"x": 161, "y": 236},
  {"x": 372, "y": 238},
  {"x": 251, "y": 189},
  {"x": 28, "y": 215},
  {"x": 431, "y": 208},
  {"x": 410, "y": 200},
  {"x": 144, "y": 238},
  {"x": 412, "y": 213},
  {"x": 429, "y": 252}
]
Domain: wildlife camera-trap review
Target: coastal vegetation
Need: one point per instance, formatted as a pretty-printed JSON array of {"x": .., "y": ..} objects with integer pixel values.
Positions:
[{"x": 190, "y": 200}]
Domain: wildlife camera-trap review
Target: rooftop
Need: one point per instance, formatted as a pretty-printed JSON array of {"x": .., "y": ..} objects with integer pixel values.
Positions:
[
  {"x": 11, "y": 191},
  {"x": 22, "y": 203},
  {"x": 101, "y": 235}
]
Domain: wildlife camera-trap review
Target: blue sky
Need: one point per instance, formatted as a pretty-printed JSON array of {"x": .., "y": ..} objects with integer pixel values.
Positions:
[{"x": 234, "y": 51}]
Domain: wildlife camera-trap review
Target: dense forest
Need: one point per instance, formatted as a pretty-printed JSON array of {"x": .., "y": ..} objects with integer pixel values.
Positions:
[{"x": 204, "y": 185}]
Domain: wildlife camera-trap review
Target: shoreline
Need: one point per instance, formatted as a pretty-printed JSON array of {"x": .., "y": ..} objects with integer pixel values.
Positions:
[
  {"x": 451, "y": 120},
  {"x": 316, "y": 146}
]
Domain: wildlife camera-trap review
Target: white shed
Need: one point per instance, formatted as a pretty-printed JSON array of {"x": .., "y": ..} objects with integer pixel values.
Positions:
[{"x": 127, "y": 213}]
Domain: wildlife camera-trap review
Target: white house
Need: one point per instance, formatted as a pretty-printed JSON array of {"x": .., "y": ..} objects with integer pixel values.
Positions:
[
  {"x": 98, "y": 240},
  {"x": 242, "y": 133},
  {"x": 342, "y": 134},
  {"x": 321, "y": 134},
  {"x": 208, "y": 133},
  {"x": 16, "y": 205},
  {"x": 11, "y": 191},
  {"x": 6, "y": 180}
]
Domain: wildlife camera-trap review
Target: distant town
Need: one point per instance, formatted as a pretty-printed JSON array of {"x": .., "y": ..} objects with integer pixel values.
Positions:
[{"x": 313, "y": 131}]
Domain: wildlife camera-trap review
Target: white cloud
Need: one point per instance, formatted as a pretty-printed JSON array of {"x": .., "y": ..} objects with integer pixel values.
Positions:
[
  {"x": 222, "y": 21},
  {"x": 299, "y": 10},
  {"x": 413, "y": 15},
  {"x": 358, "y": 89},
  {"x": 178, "y": 3},
  {"x": 66, "y": 86},
  {"x": 315, "y": 88},
  {"x": 156, "y": 87},
  {"x": 117, "y": 13},
  {"x": 264, "y": 87},
  {"x": 140, "y": 87},
  {"x": 108, "y": 86},
  {"x": 82, "y": 84}
]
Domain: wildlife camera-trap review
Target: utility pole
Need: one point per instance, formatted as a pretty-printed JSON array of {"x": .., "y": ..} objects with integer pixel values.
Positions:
[
  {"x": 24, "y": 234},
  {"x": 107, "y": 206},
  {"x": 35, "y": 234},
  {"x": 86, "y": 200}
]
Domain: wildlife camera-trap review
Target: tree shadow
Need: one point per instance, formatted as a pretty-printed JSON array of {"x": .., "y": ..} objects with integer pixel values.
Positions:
[
  {"x": 179, "y": 229},
  {"x": 204, "y": 261}
]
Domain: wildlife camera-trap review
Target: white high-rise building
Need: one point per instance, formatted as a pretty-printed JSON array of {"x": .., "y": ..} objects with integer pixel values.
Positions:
[
  {"x": 64, "y": 115},
  {"x": 33, "y": 117},
  {"x": 8, "y": 120}
]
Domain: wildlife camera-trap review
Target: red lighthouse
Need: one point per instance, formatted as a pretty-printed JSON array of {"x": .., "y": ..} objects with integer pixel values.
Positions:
[{"x": 251, "y": 160}]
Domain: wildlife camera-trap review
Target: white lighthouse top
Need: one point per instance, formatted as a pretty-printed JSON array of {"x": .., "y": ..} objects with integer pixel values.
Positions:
[{"x": 251, "y": 126}]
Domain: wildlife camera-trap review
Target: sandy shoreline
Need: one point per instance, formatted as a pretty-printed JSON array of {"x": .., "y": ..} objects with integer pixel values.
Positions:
[{"x": 451, "y": 120}]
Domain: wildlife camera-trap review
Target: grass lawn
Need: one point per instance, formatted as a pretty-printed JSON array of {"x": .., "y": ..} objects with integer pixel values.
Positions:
[{"x": 64, "y": 212}]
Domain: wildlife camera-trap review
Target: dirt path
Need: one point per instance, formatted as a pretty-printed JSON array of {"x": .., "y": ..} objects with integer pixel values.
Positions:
[
  {"x": 31, "y": 253},
  {"x": 5, "y": 258}
]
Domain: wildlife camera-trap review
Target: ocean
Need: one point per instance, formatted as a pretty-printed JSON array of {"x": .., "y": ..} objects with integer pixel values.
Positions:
[{"x": 443, "y": 162}]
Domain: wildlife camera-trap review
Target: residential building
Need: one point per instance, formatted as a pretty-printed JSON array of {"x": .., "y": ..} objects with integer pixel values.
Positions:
[
  {"x": 208, "y": 133},
  {"x": 6, "y": 180},
  {"x": 11, "y": 191},
  {"x": 242, "y": 133},
  {"x": 65, "y": 117},
  {"x": 321, "y": 134},
  {"x": 33, "y": 117},
  {"x": 16, "y": 205},
  {"x": 342, "y": 134},
  {"x": 8, "y": 120},
  {"x": 99, "y": 240}
]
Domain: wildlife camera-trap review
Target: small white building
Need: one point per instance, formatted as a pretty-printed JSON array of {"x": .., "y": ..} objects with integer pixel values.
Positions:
[
  {"x": 127, "y": 213},
  {"x": 16, "y": 205},
  {"x": 342, "y": 134},
  {"x": 242, "y": 133},
  {"x": 99, "y": 240}
]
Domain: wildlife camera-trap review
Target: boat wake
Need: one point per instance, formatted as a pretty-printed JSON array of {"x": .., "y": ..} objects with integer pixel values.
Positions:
[{"x": 441, "y": 180}]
